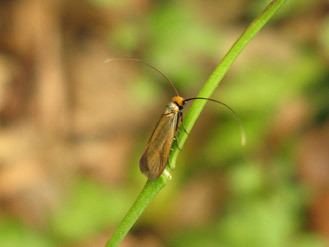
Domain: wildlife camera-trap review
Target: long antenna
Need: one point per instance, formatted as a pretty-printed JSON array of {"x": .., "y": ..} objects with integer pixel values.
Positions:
[
  {"x": 136, "y": 60},
  {"x": 242, "y": 130}
]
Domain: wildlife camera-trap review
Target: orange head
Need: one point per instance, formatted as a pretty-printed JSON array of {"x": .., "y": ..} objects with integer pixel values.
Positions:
[{"x": 179, "y": 101}]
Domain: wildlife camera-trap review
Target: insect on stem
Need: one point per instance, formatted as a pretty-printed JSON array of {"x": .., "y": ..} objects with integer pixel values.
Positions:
[{"x": 156, "y": 154}]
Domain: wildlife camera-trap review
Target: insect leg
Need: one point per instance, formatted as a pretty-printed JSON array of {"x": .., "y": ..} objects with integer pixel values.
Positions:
[
  {"x": 182, "y": 123},
  {"x": 179, "y": 117},
  {"x": 176, "y": 143},
  {"x": 167, "y": 174}
]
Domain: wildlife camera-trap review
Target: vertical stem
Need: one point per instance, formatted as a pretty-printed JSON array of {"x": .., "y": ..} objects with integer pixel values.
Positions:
[
  {"x": 150, "y": 190},
  {"x": 152, "y": 187},
  {"x": 219, "y": 72}
]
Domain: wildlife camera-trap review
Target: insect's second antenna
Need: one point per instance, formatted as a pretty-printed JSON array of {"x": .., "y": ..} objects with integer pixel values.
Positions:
[
  {"x": 242, "y": 131},
  {"x": 136, "y": 60}
]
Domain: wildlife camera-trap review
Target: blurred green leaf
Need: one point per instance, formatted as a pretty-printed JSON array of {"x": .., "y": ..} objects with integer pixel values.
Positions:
[
  {"x": 126, "y": 36},
  {"x": 309, "y": 241},
  {"x": 145, "y": 90},
  {"x": 109, "y": 3},
  {"x": 262, "y": 222},
  {"x": 91, "y": 208},
  {"x": 178, "y": 41},
  {"x": 202, "y": 236},
  {"x": 324, "y": 35},
  {"x": 15, "y": 234},
  {"x": 246, "y": 180},
  {"x": 264, "y": 88}
]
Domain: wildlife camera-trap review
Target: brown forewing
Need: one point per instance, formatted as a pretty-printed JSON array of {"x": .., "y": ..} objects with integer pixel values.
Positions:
[{"x": 156, "y": 154}]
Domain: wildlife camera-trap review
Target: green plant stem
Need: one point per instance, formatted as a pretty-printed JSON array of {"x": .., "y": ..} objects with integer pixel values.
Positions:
[
  {"x": 150, "y": 190},
  {"x": 219, "y": 72},
  {"x": 153, "y": 187}
]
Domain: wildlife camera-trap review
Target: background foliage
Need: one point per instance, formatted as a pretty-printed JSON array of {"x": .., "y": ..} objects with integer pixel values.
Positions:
[{"x": 72, "y": 128}]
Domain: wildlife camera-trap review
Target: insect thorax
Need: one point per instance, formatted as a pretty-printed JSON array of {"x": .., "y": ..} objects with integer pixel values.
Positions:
[{"x": 172, "y": 107}]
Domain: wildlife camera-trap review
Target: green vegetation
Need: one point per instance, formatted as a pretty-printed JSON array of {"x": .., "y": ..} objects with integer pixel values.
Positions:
[{"x": 72, "y": 185}]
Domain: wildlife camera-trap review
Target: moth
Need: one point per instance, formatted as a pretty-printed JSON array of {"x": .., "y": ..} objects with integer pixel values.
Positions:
[{"x": 156, "y": 154}]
